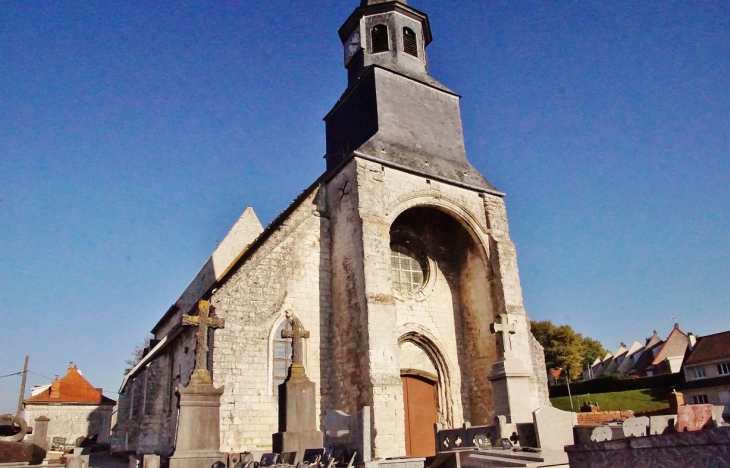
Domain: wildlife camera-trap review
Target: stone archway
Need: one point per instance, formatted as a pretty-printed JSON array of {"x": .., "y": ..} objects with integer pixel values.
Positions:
[{"x": 443, "y": 283}]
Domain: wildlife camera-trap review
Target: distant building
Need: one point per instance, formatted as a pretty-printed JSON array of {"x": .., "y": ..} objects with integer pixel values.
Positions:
[
  {"x": 670, "y": 355},
  {"x": 74, "y": 407},
  {"x": 645, "y": 357},
  {"x": 655, "y": 357},
  {"x": 707, "y": 371}
]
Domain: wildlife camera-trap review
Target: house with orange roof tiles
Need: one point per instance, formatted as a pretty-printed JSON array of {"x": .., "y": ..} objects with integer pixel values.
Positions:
[{"x": 74, "y": 406}]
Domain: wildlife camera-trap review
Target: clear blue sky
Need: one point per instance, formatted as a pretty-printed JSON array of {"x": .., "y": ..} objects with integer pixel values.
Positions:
[{"x": 133, "y": 134}]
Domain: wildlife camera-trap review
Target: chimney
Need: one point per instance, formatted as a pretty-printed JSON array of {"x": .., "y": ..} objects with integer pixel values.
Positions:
[
  {"x": 692, "y": 340},
  {"x": 56, "y": 388}
]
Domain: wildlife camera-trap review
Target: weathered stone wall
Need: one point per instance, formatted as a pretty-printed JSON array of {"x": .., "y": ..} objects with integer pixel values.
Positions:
[
  {"x": 73, "y": 421},
  {"x": 538, "y": 381},
  {"x": 147, "y": 408},
  {"x": 290, "y": 271},
  {"x": 350, "y": 353},
  {"x": 328, "y": 263}
]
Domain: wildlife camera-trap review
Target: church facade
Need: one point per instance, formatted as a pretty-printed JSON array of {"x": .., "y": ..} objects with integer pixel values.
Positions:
[{"x": 397, "y": 261}]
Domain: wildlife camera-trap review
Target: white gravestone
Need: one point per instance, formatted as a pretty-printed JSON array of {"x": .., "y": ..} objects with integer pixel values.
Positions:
[
  {"x": 602, "y": 434},
  {"x": 554, "y": 427},
  {"x": 636, "y": 427}
]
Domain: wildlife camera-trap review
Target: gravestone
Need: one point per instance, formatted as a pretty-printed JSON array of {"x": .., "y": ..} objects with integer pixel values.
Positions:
[
  {"x": 694, "y": 418},
  {"x": 40, "y": 432},
  {"x": 78, "y": 458},
  {"x": 507, "y": 430},
  {"x": 268, "y": 459},
  {"x": 554, "y": 427},
  {"x": 601, "y": 434},
  {"x": 636, "y": 427},
  {"x": 151, "y": 461},
  {"x": 717, "y": 411},
  {"x": 198, "y": 433},
  {"x": 301, "y": 431},
  {"x": 662, "y": 424}
]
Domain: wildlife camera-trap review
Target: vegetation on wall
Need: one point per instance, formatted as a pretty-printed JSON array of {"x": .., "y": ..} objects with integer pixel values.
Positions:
[{"x": 565, "y": 348}]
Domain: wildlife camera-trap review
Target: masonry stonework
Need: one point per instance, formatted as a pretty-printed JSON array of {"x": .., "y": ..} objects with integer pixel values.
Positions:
[
  {"x": 397, "y": 178},
  {"x": 73, "y": 421}
]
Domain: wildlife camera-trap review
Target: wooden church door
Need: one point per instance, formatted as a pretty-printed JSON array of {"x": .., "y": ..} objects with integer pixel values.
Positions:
[{"x": 419, "y": 396}]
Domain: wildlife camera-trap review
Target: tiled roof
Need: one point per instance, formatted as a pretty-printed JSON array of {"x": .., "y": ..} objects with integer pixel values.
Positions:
[
  {"x": 72, "y": 388},
  {"x": 647, "y": 356},
  {"x": 710, "y": 348},
  {"x": 675, "y": 345}
]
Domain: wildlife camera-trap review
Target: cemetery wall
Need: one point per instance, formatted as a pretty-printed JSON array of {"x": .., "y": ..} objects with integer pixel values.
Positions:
[{"x": 73, "y": 421}]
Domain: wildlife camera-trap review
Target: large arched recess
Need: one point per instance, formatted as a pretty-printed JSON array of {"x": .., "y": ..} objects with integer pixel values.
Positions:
[{"x": 455, "y": 302}]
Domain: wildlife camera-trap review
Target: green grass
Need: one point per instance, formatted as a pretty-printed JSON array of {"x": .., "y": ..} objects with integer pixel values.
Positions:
[{"x": 640, "y": 401}]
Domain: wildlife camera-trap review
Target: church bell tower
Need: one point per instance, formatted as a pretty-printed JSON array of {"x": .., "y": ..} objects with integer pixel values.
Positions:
[
  {"x": 393, "y": 110},
  {"x": 427, "y": 319}
]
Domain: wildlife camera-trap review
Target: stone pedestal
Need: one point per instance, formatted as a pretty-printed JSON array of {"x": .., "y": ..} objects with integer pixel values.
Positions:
[
  {"x": 40, "y": 432},
  {"x": 301, "y": 415},
  {"x": 198, "y": 433},
  {"x": 511, "y": 388}
]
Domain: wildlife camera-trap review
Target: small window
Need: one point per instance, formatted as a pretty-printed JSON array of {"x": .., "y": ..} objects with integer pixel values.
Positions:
[
  {"x": 379, "y": 37},
  {"x": 410, "y": 44},
  {"x": 699, "y": 399},
  {"x": 282, "y": 356},
  {"x": 723, "y": 368},
  {"x": 407, "y": 271},
  {"x": 698, "y": 372}
]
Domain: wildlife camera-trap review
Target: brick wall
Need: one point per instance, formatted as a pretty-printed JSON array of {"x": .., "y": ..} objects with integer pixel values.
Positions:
[{"x": 603, "y": 416}]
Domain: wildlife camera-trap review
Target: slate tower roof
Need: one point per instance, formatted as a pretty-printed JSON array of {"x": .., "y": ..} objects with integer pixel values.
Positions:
[{"x": 393, "y": 111}]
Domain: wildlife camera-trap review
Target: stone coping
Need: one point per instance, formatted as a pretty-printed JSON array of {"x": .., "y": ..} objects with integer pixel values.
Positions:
[{"x": 718, "y": 436}]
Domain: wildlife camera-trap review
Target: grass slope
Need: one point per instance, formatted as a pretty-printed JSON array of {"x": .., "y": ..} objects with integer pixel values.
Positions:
[{"x": 640, "y": 401}]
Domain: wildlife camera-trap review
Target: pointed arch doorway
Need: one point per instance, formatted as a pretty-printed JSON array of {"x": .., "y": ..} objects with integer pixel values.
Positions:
[{"x": 420, "y": 399}]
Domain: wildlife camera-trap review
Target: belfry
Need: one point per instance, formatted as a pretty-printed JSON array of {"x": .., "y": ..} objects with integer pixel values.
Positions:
[{"x": 397, "y": 262}]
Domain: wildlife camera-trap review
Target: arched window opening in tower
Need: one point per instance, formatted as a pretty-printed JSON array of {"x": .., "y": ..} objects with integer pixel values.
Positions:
[
  {"x": 410, "y": 43},
  {"x": 379, "y": 37}
]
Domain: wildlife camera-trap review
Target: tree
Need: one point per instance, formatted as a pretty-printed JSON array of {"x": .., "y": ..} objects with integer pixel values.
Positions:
[
  {"x": 566, "y": 349},
  {"x": 137, "y": 354}
]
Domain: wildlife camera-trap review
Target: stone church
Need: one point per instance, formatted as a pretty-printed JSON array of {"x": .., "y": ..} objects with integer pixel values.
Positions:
[{"x": 397, "y": 261}]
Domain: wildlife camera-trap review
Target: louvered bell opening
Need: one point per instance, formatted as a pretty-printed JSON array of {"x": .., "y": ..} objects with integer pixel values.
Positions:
[
  {"x": 410, "y": 44},
  {"x": 380, "y": 38}
]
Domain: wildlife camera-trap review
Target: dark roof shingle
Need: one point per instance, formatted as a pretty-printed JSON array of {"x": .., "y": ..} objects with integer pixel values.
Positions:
[{"x": 710, "y": 348}]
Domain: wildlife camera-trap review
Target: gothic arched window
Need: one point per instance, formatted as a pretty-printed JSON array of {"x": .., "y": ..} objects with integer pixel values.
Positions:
[
  {"x": 410, "y": 43},
  {"x": 379, "y": 38},
  {"x": 282, "y": 356}
]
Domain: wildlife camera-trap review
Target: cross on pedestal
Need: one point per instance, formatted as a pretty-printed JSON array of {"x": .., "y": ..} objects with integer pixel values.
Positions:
[
  {"x": 505, "y": 328},
  {"x": 297, "y": 335},
  {"x": 203, "y": 321}
]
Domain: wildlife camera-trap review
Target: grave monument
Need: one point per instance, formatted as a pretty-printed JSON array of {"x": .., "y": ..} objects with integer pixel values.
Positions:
[
  {"x": 198, "y": 433},
  {"x": 301, "y": 431}
]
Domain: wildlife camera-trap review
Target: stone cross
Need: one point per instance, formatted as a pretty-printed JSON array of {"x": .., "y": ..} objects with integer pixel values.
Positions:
[
  {"x": 297, "y": 333},
  {"x": 505, "y": 328},
  {"x": 203, "y": 321}
]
